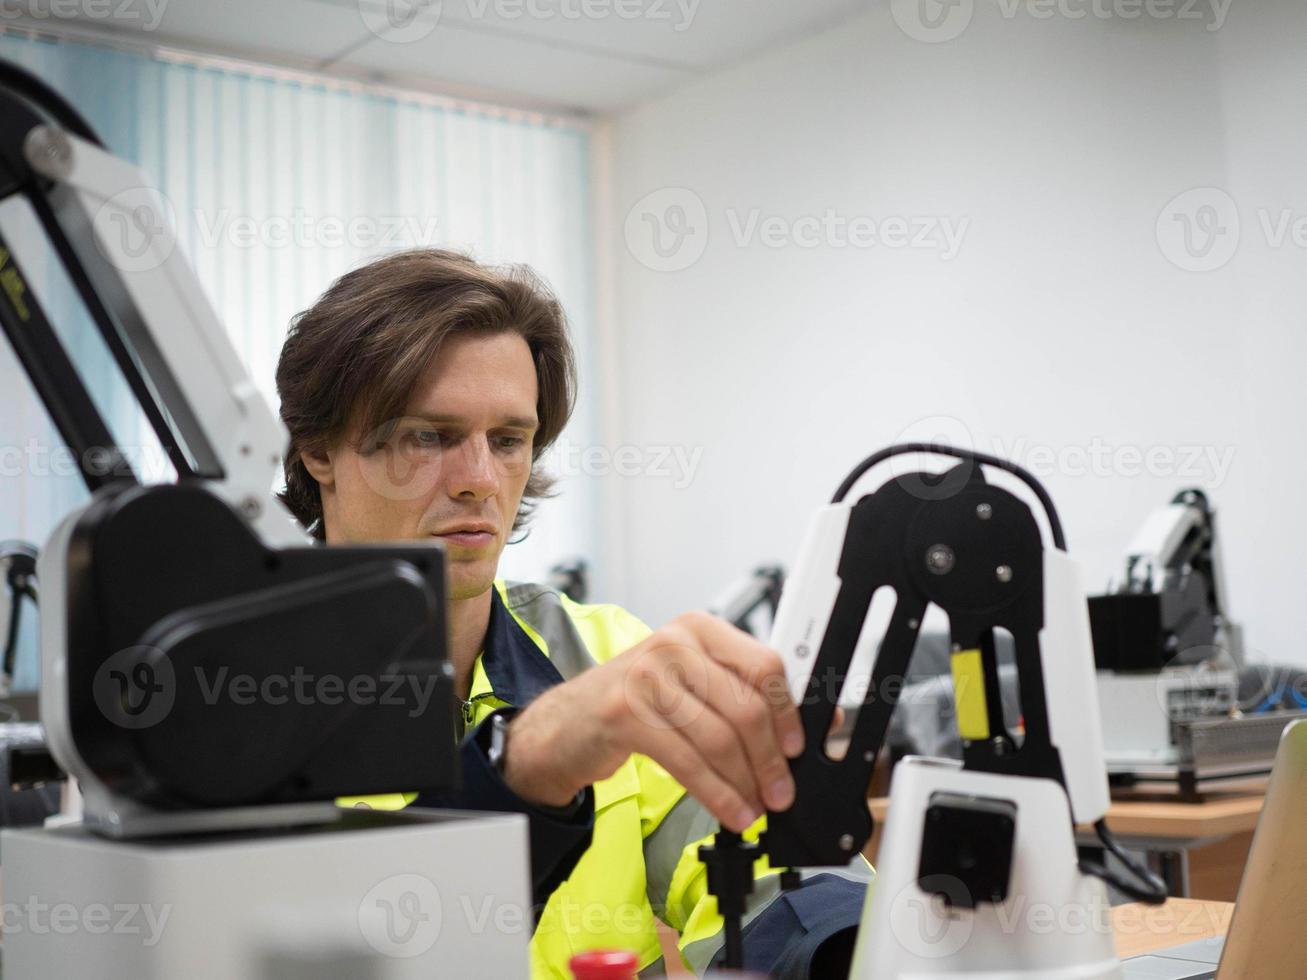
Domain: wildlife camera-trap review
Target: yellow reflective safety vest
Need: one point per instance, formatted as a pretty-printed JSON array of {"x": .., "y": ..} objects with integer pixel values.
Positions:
[{"x": 642, "y": 863}]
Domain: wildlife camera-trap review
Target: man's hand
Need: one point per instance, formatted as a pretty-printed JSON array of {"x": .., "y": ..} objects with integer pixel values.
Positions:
[{"x": 705, "y": 700}]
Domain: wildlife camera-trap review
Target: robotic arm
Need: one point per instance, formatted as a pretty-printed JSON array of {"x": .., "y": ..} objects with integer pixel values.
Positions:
[
  {"x": 1171, "y": 605},
  {"x": 209, "y": 676},
  {"x": 743, "y": 600},
  {"x": 147, "y": 304},
  {"x": 975, "y": 550},
  {"x": 961, "y": 840},
  {"x": 153, "y": 596}
]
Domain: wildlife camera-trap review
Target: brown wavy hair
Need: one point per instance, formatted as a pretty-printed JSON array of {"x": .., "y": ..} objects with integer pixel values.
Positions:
[{"x": 351, "y": 361}]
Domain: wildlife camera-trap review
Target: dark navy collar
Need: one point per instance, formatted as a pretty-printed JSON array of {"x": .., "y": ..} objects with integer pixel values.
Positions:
[{"x": 517, "y": 669}]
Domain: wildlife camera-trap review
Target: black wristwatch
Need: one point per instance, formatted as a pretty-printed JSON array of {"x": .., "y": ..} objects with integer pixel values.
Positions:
[{"x": 497, "y": 754}]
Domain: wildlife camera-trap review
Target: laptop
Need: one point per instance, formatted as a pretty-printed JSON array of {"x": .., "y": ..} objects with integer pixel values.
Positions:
[{"x": 1267, "y": 937}]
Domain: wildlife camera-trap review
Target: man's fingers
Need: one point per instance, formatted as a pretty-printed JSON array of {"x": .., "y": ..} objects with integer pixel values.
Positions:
[
  {"x": 750, "y": 718},
  {"x": 759, "y": 665},
  {"x": 727, "y": 693},
  {"x": 674, "y": 752},
  {"x": 724, "y": 718},
  {"x": 721, "y": 746}
]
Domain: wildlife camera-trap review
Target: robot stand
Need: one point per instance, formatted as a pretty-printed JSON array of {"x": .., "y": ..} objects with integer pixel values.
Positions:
[
  {"x": 373, "y": 896},
  {"x": 1052, "y": 924}
]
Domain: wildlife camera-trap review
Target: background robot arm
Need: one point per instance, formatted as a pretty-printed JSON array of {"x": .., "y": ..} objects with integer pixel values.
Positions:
[
  {"x": 1171, "y": 606},
  {"x": 150, "y": 592},
  {"x": 18, "y": 575},
  {"x": 751, "y": 598}
]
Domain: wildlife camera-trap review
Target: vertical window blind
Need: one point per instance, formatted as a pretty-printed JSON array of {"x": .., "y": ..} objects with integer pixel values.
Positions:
[{"x": 277, "y": 184}]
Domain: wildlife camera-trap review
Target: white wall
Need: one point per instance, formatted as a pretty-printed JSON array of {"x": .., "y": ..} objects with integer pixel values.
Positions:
[
  {"x": 1264, "y": 103},
  {"x": 1060, "y": 334}
]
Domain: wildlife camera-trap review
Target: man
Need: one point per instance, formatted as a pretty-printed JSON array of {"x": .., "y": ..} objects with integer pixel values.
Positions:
[{"x": 420, "y": 392}]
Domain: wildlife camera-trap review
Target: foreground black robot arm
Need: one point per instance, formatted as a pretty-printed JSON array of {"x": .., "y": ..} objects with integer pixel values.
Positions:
[
  {"x": 961, "y": 839},
  {"x": 154, "y": 597},
  {"x": 976, "y": 551}
]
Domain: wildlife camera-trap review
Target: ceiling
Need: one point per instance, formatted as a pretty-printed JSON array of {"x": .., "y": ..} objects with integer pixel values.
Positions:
[{"x": 588, "y": 56}]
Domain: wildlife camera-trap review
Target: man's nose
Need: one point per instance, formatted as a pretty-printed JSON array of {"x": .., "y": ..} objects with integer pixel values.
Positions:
[{"x": 472, "y": 471}]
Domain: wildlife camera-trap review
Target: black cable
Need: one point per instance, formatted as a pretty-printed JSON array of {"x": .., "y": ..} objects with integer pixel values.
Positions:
[
  {"x": 19, "y": 564},
  {"x": 1154, "y": 894},
  {"x": 967, "y": 455},
  {"x": 10, "y": 656},
  {"x": 27, "y": 85}
]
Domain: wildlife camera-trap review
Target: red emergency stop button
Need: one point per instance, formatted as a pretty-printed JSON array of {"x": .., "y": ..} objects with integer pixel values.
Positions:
[{"x": 604, "y": 964}]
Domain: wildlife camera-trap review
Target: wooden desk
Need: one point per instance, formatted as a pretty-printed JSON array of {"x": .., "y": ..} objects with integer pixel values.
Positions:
[
  {"x": 1199, "y": 848},
  {"x": 1138, "y": 928},
  {"x": 1148, "y": 928},
  {"x": 1218, "y": 816}
]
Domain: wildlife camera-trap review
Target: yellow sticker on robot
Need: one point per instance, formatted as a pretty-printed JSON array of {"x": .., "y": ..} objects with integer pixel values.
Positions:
[{"x": 969, "y": 695}]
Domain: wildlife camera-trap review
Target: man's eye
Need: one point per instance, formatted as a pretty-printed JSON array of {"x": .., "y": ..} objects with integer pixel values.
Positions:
[
  {"x": 425, "y": 438},
  {"x": 510, "y": 443}
]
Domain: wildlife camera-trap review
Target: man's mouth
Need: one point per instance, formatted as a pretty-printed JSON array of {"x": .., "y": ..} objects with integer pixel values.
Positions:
[{"x": 467, "y": 535}]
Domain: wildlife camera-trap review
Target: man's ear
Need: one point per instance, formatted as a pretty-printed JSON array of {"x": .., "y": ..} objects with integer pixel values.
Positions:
[{"x": 318, "y": 463}]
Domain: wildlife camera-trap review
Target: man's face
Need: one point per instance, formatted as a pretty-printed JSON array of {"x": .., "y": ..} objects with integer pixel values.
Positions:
[{"x": 454, "y": 468}]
